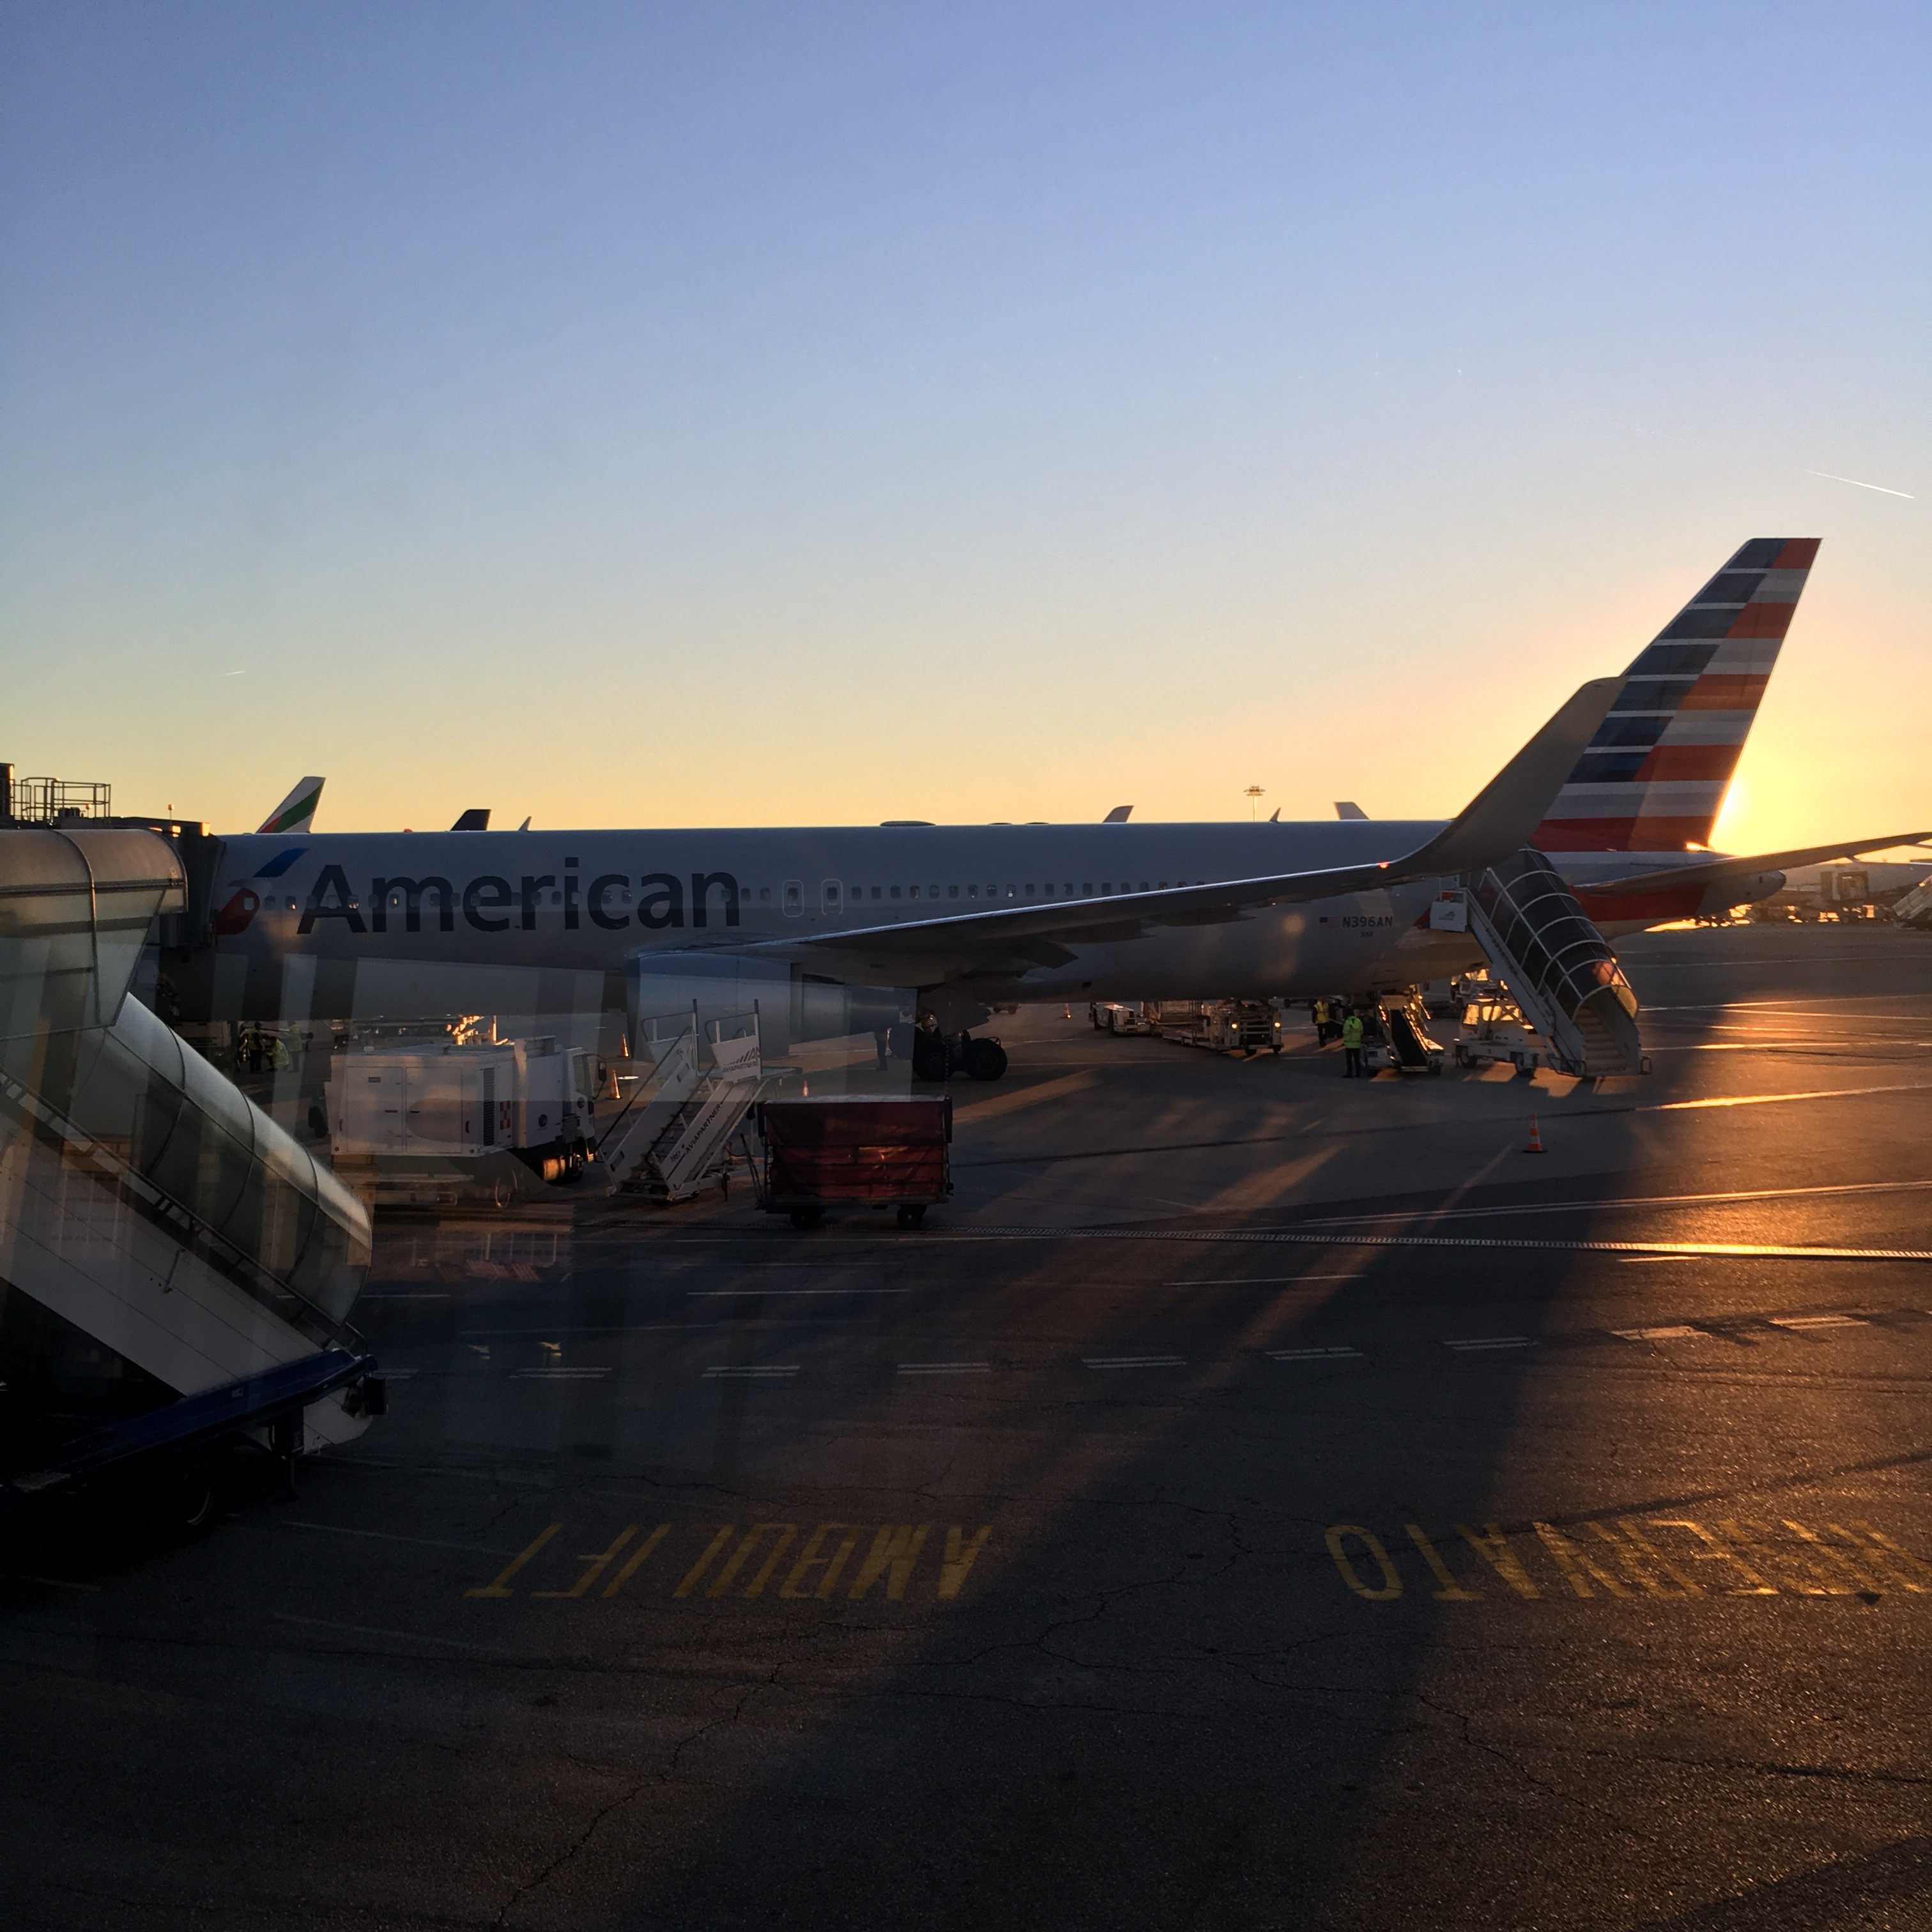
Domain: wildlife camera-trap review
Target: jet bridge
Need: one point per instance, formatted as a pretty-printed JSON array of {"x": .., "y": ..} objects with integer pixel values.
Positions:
[
  {"x": 165, "y": 1249},
  {"x": 1558, "y": 968}
]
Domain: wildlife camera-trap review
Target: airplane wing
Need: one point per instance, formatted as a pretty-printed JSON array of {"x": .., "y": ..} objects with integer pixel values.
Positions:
[
  {"x": 1717, "y": 871},
  {"x": 296, "y": 813},
  {"x": 1496, "y": 822}
]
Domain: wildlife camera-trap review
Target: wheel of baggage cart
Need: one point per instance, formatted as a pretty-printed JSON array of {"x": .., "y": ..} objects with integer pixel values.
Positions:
[
  {"x": 807, "y": 1217},
  {"x": 501, "y": 1191},
  {"x": 913, "y": 1215},
  {"x": 985, "y": 1059},
  {"x": 185, "y": 1499}
]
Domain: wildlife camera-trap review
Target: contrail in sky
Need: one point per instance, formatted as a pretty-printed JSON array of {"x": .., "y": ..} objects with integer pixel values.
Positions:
[{"x": 1879, "y": 486}]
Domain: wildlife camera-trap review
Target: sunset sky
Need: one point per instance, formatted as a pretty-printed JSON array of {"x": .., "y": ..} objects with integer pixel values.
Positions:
[{"x": 671, "y": 415}]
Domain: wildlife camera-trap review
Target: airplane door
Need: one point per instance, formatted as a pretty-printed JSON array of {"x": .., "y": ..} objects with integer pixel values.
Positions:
[
  {"x": 832, "y": 898},
  {"x": 794, "y": 898}
]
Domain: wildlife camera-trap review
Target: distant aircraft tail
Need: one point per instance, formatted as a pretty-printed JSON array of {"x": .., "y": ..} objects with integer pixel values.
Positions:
[
  {"x": 1655, "y": 775},
  {"x": 295, "y": 812}
]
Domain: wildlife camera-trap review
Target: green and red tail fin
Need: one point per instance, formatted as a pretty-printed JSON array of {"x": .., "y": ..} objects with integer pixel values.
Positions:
[{"x": 296, "y": 813}]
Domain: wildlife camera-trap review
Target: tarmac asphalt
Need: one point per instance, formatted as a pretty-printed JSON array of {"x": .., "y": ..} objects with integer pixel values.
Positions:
[{"x": 1257, "y": 1500}]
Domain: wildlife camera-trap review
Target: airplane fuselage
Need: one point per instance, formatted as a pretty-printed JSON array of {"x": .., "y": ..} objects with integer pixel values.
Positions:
[{"x": 589, "y": 900}]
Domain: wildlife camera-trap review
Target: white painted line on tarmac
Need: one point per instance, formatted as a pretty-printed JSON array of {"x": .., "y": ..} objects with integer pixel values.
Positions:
[
  {"x": 1261, "y": 1280},
  {"x": 561, "y": 1374},
  {"x": 945, "y": 1368},
  {"x": 1617, "y": 1200},
  {"x": 1651, "y": 1260},
  {"x": 1518, "y": 1244},
  {"x": 397, "y": 1294},
  {"x": 1817, "y": 1321},
  {"x": 1476, "y": 1342},
  {"x": 1770, "y": 1099},
  {"x": 1312, "y": 1354},
  {"x": 386, "y": 1536},
  {"x": 406, "y": 1636},
  {"x": 1134, "y": 1361},
  {"x": 778, "y": 1294},
  {"x": 770, "y": 1372},
  {"x": 1790, "y": 1006},
  {"x": 1679, "y": 1333}
]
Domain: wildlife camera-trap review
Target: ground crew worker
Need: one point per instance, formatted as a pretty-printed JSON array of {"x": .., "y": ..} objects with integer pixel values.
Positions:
[
  {"x": 1321, "y": 1012},
  {"x": 1352, "y": 1047}
]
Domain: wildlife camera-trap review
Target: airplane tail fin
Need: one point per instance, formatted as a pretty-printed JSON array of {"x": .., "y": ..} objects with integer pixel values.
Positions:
[
  {"x": 1655, "y": 775},
  {"x": 295, "y": 812}
]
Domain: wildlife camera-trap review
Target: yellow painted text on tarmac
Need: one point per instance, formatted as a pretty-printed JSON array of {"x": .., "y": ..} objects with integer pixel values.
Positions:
[
  {"x": 1669, "y": 1558},
  {"x": 725, "y": 1563}
]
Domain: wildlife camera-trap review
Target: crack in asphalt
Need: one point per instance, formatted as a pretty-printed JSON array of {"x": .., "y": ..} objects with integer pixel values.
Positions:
[{"x": 747, "y": 1691}]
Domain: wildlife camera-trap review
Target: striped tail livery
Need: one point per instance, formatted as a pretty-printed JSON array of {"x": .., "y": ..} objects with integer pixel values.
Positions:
[{"x": 1654, "y": 775}]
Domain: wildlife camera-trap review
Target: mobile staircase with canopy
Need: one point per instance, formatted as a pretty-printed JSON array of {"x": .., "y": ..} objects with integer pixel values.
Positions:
[{"x": 1557, "y": 966}]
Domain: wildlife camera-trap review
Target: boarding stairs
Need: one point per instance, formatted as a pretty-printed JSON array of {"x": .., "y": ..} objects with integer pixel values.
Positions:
[
  {"x": 697, "y": 1080},
  {"x": 1915, "y": 908},
  {"x": 1557, "y": 966}
]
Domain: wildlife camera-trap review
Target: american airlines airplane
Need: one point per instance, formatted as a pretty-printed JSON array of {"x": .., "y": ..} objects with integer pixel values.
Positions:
[{"x": 1620, "y": 786}]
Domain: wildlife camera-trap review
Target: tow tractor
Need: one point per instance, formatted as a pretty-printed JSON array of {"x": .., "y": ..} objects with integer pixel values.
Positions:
[
  {"x": 1494, "y": 1032},
  {"x": 1221, "y": 1026}
]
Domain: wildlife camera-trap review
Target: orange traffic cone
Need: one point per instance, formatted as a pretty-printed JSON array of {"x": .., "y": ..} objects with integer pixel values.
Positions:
[{"x": 1535, "y": 1137}]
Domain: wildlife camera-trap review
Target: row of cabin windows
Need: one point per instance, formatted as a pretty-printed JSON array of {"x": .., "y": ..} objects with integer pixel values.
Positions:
[
  {"x": 792, "y": 893},
  {"x": 1031, "y": 890}
]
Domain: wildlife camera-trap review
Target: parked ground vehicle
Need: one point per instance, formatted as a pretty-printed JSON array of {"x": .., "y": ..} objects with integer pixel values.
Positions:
[
  {"x": 880, "y": 1151},
  {"x": 1494, "y": 1031},
  {"x": 1396, "y": 1036}
]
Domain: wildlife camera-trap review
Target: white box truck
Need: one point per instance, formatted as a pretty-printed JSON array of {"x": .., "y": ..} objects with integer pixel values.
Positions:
[{"x": 438, "y": 1124}]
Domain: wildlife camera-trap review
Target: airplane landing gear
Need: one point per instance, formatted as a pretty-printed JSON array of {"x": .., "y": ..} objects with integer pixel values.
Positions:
[
  {"x": 984, "y": 1059},
  {"x": 938, "y": 1056}
]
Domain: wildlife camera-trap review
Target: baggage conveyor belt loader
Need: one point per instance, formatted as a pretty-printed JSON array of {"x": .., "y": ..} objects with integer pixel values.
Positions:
[{"x": 176, "y": 1271}]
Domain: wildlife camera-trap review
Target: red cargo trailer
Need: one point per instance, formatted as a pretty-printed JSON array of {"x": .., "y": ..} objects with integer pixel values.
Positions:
[{"x": 879, "y": 1152}]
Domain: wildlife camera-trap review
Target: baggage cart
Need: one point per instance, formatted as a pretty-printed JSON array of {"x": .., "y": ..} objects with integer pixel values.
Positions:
[{"x": 880, "y": 1151}]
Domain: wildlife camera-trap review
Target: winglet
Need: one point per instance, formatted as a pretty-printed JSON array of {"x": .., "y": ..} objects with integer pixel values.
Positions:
[
  {"x": 1504, "y": 816},
  {"x": 297, "y": 811},
  {"x": 1347, "y": 808},
  {"x": 476, "y": 819},
  {"x": 1119, "y": 815}
]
